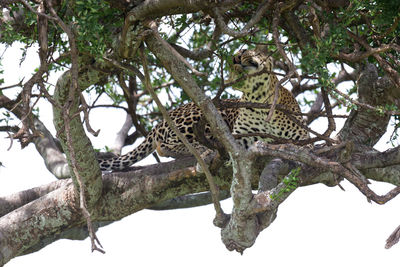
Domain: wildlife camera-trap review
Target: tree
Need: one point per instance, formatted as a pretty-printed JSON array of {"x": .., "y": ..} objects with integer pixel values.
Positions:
[{"x": 127, "y": 50}]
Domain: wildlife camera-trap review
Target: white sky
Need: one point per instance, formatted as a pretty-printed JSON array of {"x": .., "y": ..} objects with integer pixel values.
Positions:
[{"x": 316, "y": 226}]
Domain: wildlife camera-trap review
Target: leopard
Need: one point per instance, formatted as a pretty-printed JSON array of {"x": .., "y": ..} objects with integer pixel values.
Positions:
[{"x": 253, "y": 69}]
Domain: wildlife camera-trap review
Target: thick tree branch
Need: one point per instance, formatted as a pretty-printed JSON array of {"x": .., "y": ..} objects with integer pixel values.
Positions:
[
  {"x": 196, "y": 54},
  {"x": 189, "y": 201},
  {"x": 125, "y": 193},
  {"x": 23, "y": 228},
  {"x": 156, "y": 8},
  {"x": 377, "y": 159},
  {"x": 122, "y": 195},
  {"x": 121, "y": 136},
  {"x": 54, "y": 159},
  {"x": 17, "y": 200},
  {"x": 363, "y": 126}
]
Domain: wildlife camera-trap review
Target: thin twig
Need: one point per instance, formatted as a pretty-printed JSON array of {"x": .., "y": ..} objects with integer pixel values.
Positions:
[
  {"x": 11, "y": 141},
  {"x": 86, "y": 116},
  {"x": 328, "y": 108},
  {"x": 12, "y": 86},
  {"x": 222, "y": 86},
  {"x": 129, "y": 68},
  {"x": 46, "y": 94},
  {"x": 109, "y": 106},
  {"x": 132, "y": 98},
  {"x": 275, "y": 33},
  {"x": 363, "y": 105}
]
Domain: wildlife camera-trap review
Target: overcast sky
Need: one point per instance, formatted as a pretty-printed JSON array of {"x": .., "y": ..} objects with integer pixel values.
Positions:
[{"x": 316, "y": 225}]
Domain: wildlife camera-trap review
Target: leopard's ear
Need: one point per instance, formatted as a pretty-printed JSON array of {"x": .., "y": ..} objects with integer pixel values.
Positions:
[{"x": 262, "y": 48}]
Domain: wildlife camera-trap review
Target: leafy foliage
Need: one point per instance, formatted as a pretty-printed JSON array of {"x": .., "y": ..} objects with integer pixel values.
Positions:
[
  {"x": 98, "y": 26},
  {"x": 291, "y": 182},
  {"x": 95, "y": 22}
]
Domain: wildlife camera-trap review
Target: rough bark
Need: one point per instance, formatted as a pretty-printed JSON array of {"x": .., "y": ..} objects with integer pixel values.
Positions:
[
  {"x": 365, "y": 126},
  {"x": 83, "y": 149}
]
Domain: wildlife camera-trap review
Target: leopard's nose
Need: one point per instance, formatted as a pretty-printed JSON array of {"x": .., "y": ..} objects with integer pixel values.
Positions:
[{"x": 253, "y": 63}]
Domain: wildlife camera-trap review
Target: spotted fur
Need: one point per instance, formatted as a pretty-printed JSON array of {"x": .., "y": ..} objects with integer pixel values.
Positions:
[{"x": 256, "y": 88}]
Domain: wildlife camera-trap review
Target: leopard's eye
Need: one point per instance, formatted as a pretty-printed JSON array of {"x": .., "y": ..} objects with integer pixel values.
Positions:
[{"x": 238, "y": 57}]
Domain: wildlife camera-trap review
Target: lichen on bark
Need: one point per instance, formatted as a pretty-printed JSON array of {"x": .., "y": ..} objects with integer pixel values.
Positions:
[{"x": 83, "y": 149}]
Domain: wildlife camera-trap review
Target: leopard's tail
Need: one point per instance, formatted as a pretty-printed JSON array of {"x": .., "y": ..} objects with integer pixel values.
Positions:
[{"x": 137, "y": 154}]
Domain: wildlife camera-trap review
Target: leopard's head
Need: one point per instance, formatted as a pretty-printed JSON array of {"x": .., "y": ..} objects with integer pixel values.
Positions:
[{"x": 251, "y": 63}]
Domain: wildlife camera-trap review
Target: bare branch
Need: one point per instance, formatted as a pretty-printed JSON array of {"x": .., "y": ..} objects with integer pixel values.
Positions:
[
  {"x": 218, "y": 17},
  {"x": 359, "y": 56},
  {"x": 53, "y": 158},
  {"x": 328, "y": 108},
  {"x": 377, "y": 159},
  {"x": 17, "y": 200},
  {"x": 13, "y": 129},
  {"x": 303, "y": 155},
  {"x": 190, "y": 201},
  {"x": 196, "y": 54},
  {"x": 393, "y": 239},
  {"x": 12, "y": 86},
  {"x": 122, "y": 135},
  {"x": 86, "y": 116}
]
